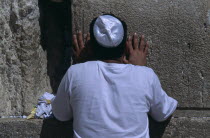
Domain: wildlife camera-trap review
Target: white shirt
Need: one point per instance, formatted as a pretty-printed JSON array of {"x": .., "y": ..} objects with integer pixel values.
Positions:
[{"x": 110, "y": 100}]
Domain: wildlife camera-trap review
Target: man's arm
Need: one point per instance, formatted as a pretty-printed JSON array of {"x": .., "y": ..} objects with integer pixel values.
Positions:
[
  {"x": 61, "y": 106},
  {"x": 161, "y": 105}
]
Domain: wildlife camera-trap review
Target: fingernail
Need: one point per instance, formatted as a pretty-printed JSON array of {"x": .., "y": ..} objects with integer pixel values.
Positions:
[{"x": 135, "y": 33}]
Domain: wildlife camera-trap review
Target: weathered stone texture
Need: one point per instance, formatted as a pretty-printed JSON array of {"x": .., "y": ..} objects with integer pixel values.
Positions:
[
  {"x": 188, "y": 128},
  {"x": 23, "y": 75},
  {"x": 20, "y": 128},
  {"x": 178, "y": 35}
]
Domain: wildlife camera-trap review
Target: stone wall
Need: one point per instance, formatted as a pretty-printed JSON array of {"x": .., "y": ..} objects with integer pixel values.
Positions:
[
  {"x": 178, "y": 33},
  {"x": 178, "y": 37},
  {"x": 23, "y": 64}
]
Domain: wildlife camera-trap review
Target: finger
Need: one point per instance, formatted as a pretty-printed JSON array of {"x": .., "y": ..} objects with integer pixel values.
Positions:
[
  {"x": 142, "y": 43},
  {"x": 146, "y": 48},
  {"x": 75, "y": 55},
  {"x": 74, "y": 52},
  {"x": 84, "y": 38},
  {"x": 75, "y": 43},
  {"x": 129, "y": 46},
  {"x": 125, "y": 60},
  {"x": 80, "y": 39},
  {"x": 88, "y": 37},
  {"x": 135, "y": 41}
]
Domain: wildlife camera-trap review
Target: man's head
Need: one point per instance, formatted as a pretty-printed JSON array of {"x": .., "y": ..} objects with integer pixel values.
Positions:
[{"x": 108, "y": 37}]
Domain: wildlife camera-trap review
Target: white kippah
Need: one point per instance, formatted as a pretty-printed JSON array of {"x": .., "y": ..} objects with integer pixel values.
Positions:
[{"x": 108, "y": 31}]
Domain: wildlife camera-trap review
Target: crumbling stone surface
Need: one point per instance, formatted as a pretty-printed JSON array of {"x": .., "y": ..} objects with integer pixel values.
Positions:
[
  {"x": 179, "y": 41},
  {"x": 188, "y": 128},
  {"x": 23, "y": 66},
  {"x": 20, "y": 128}
]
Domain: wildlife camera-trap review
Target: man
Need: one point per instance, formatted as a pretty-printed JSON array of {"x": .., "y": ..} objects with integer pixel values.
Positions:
[{"x": 112, "y": 95}]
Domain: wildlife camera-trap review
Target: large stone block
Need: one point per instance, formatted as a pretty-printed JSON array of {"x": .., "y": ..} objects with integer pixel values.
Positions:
[
  {"x": 179, "y": 127},
  {"x": 179, "y": 41},
  {"x": 188, "y": 128},
  {"x": 23, "y": 71}
]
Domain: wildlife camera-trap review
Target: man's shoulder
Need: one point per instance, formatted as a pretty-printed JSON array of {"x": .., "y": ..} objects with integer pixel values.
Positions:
[
  {"x": 143, "y": 69},
  {"x": 142, "y": 73},
  {"x": 81, "y": 66},
  {"x": 92, "y": 65}
]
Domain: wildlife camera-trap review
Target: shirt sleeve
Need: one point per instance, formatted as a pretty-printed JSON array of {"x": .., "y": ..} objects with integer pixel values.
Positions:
[
  {"x": 161, "y": 105},
  {"x": 61, "y": 107}
]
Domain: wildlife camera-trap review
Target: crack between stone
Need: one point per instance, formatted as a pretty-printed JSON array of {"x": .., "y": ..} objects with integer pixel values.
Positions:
[{"x": 194, "y": 108}]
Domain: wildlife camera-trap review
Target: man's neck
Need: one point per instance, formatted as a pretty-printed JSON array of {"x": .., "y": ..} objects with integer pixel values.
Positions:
[{"x": 118, "y": 60}]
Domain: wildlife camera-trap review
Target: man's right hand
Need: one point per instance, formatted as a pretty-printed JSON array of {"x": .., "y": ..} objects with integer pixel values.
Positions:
[
  {"x": 82, "y": 49},
  {"x": 136, "y": 51}
]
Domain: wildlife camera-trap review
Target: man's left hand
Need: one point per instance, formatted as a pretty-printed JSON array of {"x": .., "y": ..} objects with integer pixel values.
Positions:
[{"x": 136, "y": 50}]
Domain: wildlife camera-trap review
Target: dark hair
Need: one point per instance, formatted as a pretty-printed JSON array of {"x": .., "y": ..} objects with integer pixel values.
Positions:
[{"x": 103, "y": 53}]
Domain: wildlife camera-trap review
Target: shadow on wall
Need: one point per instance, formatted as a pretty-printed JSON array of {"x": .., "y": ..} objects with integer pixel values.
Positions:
[
  {"x": 157, "y": 129},
  {"x": 55, "y": 29},
  {"x": 55, "y": 24}
]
